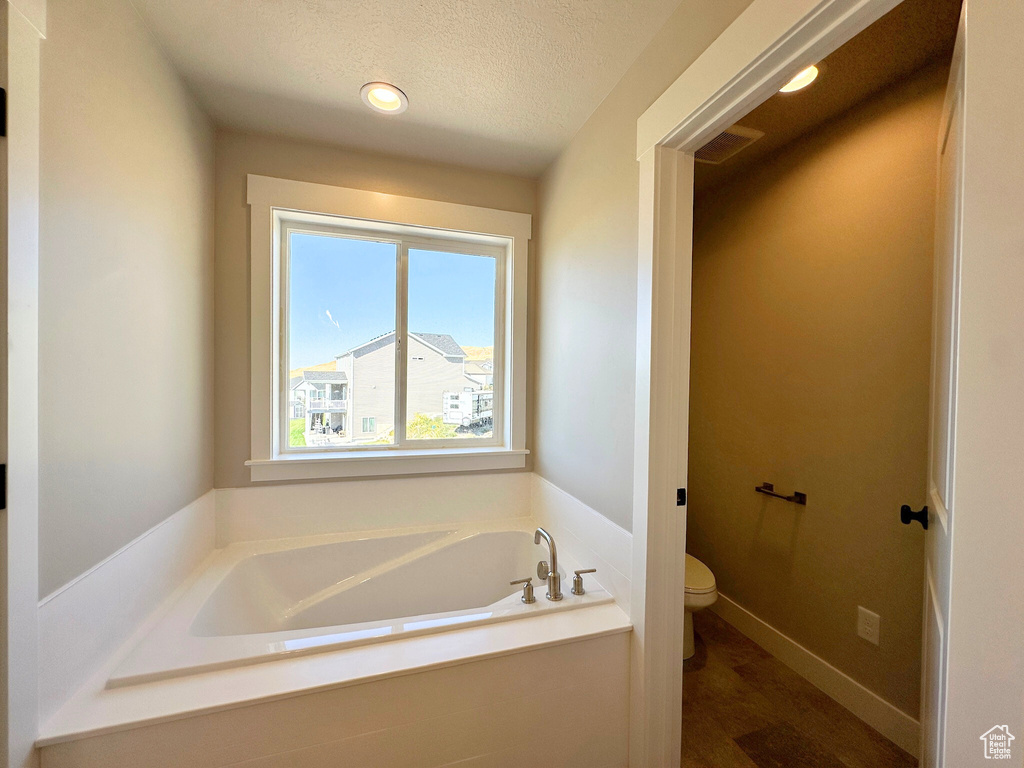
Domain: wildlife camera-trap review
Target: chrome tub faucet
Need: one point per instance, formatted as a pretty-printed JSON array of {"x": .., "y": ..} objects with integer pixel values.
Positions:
[{"x": 548, "y": 569}]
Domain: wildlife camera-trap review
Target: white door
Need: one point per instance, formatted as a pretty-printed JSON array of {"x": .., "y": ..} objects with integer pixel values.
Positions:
[
  {"x": 973, "y": 671},
  {"x": 948, "y": 222}
]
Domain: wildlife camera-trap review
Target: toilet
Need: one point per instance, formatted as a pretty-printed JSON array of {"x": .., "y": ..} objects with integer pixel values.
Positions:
[{"x": 701, "y": 592}]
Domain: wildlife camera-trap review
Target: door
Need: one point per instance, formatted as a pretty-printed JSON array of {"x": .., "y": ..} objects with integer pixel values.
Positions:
[
  {"x": 973, "y": 660},
  {"x": 945, "y": 322}
]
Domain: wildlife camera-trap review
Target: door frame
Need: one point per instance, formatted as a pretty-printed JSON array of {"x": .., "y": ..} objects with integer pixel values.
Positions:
[
  {"x": 23, "y": 30},
  {"x": 754, "y": 57}
]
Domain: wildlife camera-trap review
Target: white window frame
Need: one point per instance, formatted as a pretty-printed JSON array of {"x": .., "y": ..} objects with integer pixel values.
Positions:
[
  {"x": 277, "y": 204},
  {"x": 291, "y": 223}
]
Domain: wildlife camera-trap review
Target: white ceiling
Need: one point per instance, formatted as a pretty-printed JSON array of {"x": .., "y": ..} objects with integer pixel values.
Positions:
[{"x": 499, "y": 84}]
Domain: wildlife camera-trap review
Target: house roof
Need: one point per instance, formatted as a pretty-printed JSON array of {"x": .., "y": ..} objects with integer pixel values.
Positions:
[
  {"x": 377, "y": 342},
  {"x": 442, "y": 342},
  {"x": 324, "y": 376},
  {"x": 294, "y": 381}
]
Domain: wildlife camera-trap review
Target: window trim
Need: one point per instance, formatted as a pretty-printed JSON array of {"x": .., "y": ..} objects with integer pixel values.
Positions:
[{"x": 273, "y": 202}]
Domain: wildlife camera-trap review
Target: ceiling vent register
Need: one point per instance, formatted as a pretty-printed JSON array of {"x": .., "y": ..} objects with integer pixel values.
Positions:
[{"x": 726, "y": 144}]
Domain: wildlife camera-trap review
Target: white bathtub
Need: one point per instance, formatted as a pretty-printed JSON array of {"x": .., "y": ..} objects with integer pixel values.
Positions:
[{"x": 259, "y": 601}]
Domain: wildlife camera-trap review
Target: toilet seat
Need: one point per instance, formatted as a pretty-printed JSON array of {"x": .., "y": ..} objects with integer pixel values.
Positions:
[{"x": 699, "y": 578}]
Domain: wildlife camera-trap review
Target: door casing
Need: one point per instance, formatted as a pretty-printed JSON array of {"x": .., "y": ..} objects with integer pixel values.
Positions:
[{"x": 23, "y": 30}]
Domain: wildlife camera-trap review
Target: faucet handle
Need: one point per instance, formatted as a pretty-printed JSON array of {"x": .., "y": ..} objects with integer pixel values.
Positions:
[
  {"x": 527, "y": 589},
  {"x": 577, "y": 580}
]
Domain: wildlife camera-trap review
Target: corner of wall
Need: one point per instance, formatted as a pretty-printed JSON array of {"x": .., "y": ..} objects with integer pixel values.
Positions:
[{"x": 84, "y": 623}]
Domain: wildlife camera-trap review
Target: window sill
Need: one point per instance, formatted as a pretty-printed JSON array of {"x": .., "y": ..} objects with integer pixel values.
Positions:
[{"x": 304, "y": 466}]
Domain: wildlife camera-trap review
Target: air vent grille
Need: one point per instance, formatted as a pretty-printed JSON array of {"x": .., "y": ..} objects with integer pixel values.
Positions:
[{"x": 726, "y": 144}]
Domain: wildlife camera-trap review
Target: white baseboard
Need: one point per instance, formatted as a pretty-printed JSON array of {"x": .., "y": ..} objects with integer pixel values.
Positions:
[
  {"x": 893, "y": 723},
  {"x": 592, "y": 539},
  {"x": 85, "y": 621}
]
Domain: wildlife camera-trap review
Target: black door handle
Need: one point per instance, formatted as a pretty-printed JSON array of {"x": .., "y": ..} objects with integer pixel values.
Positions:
[{"x": 907, "y": 516}]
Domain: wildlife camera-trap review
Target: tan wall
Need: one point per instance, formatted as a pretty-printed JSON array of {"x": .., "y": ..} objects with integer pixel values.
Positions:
[
  {"x": 585, "y": 310},
  {"x": 126, "y": 288},
  {"x": 239, "y": 154},
  {"x": 810, "y": 369}
]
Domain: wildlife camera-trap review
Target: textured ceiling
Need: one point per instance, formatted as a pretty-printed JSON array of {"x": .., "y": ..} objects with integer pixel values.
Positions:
[
  {"x": 914, "y": 35},
  {"x": 494, "y": 84}
]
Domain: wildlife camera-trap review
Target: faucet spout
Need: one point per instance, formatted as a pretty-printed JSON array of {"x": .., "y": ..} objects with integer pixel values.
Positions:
[{"x": 553, "y": 577}]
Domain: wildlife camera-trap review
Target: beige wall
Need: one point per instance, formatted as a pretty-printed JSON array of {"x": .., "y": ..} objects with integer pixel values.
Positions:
[
  {"x": 810, "y": 369},
  {"x": 585, "y": 310},
  {"x": 126, "y": 288},
  {"x": 240, "y": 154}
]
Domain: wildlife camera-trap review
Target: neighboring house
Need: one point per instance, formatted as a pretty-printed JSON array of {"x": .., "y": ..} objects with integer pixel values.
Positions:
[
  {"x": 436, "y": 365},
  {"x": 298, "y": 391},
  {"x": 296, "y": 398},
  {"x": 480, "y": 372},
  {"x": 324, "y": 397}
]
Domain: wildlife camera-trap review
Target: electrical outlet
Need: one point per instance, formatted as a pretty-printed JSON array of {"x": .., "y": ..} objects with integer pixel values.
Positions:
[{"x": 868, "y": 624}]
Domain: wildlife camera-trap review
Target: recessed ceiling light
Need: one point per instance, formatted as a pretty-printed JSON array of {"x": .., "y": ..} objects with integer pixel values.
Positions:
[
  {"x": 384, "y": 97},
  {"x": 802, "y": 80}
]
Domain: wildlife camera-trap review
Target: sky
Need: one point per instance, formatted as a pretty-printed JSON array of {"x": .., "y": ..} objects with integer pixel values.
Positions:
[{"x": 342, "y": 294}]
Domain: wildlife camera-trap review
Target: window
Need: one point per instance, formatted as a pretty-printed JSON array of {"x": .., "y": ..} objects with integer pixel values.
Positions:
[
  {"x": 412, "y": 330},
  {"x": 347, "y": 293}
]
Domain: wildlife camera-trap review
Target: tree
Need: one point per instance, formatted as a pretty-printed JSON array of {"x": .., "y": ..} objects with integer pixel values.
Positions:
[{"x": 424, "y": 427}]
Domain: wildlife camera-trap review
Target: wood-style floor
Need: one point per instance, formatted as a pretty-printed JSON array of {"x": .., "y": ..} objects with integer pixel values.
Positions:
[{"x": 743, "y": 708}]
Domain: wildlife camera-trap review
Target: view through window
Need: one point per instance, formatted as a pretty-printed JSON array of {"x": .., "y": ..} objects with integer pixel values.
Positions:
[{"x": 342, "y": 315}]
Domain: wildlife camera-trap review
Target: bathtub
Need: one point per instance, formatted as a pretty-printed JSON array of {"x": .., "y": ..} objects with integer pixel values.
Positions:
[{"x": 259, "y": 601}]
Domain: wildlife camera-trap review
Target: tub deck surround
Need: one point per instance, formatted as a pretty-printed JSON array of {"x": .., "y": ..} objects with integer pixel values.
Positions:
[
  {"x": 87, "y": 621},
  {"x": 96, "y": 710},
  {"x": 586, "y": 535},
  {"x": 257, "y": 601},
  {"x": 561, "y": 705},
  {"x": 265, "y": 532},
  {"x": 122, "y": 599},
  {"x": 257, "y": 513}
]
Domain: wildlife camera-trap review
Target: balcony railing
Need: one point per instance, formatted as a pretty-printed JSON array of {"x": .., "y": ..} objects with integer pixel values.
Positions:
[
  {"x": 323, "y": 404},
  {"x": 326, "y": 438}
]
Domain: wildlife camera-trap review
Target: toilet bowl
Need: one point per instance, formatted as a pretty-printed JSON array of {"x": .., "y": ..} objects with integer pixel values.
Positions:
[{"x": 701, "y": 591}]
